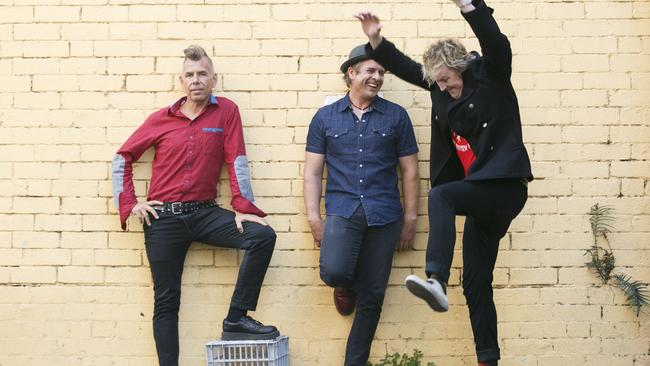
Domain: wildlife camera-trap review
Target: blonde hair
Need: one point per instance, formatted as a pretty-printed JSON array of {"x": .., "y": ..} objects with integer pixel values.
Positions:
[
  {"x": 196, "y": 53},
  {"x": 446, "y": 52}
]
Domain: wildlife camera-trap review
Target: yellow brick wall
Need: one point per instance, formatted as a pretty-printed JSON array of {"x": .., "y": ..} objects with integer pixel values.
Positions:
[{"x": 77, "y": 76}]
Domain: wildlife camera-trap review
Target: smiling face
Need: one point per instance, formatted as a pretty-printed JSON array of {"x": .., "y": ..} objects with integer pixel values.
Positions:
[
  {"x": 198, "y": 79},
  {"x": 366, "y": 79},
  {"x": 450, "y": 80}
]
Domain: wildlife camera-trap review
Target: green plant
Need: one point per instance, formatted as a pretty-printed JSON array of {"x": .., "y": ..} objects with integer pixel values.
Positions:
[
  {"x": 602, "y": 260},
  {"x": 404, "y": 359}
]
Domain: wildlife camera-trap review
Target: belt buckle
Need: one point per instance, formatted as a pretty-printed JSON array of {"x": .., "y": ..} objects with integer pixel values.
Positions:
[{"x": 176, "y": 205}]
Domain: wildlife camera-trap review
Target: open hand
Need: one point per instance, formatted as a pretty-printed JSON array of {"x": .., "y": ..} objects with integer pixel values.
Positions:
[{"x": 371, "y": 27}]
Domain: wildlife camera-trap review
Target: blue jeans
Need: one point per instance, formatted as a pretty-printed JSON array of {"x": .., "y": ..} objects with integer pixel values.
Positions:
[{"x": 355, "y": 255}]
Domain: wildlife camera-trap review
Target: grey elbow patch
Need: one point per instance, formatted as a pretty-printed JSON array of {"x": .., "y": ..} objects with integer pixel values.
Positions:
[
  {"x": 118, "y": 178},
  {"x": 243, "y": 177}
]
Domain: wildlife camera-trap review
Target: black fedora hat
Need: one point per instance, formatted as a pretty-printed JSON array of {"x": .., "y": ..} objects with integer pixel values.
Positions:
[{"x": 357, "y": 54}]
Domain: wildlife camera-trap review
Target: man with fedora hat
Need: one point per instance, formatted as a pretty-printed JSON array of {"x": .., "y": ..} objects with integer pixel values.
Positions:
[{"x": 362, "y": 138}]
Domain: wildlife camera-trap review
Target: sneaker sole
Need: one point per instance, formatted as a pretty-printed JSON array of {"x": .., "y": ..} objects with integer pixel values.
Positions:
[
  {"x": 235, "y": 336},
  {"x": 421, "y": 292}
]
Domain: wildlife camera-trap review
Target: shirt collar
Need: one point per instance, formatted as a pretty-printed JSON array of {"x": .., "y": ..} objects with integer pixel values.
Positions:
[
  {"x": 174, "y": 108},
  {"x": 378, "y": 104}
]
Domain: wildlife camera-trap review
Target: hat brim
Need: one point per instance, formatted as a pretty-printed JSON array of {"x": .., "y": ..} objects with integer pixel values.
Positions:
[{"x": 352, "y": 61}]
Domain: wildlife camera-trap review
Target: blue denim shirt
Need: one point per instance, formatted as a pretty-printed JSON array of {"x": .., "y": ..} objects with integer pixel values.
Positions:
[{"x": 362, "y": 157}]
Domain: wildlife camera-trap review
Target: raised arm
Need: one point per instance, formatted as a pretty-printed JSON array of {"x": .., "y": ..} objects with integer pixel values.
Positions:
[
  {"x": 387, "y": 54},
  {"x": 495, "y": 47}
]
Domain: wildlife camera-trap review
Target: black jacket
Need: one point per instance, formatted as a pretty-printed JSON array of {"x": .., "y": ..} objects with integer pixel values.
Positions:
[{"x": 486, "y": 114}]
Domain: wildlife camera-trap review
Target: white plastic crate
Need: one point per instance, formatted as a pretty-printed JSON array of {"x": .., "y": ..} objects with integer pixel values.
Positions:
[{"x": 274, "y": 352}]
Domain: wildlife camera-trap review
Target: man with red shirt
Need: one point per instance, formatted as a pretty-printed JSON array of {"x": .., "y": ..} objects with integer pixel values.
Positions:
[{"x": 192, "y": 139}]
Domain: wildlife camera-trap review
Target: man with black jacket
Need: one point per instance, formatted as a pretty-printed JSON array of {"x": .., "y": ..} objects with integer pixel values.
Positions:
[{"x": 479, "y": 167}]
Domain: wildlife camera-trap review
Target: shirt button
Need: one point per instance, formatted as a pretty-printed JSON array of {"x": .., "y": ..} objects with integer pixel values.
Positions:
[
  {"x": 360, "y": 135},
  {"x": 360, "y": 165},
  {"x": 360, "y": 150},
  {"x": 484, "y": 124},
  {"x": 363, "y": 120},
  {"x": 471, "y": 106},
  {"x": 360, "y": 180},
  {"x": 383, "y": 134},
  {"x": 361, "y": 196},
  {"x": 491, "y": 147},
  {"x": 436, "y": 118},
  {"x": 191, "y": 137}
]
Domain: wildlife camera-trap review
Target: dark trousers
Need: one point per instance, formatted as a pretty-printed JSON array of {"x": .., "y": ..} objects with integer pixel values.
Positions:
[
  {"x": 167, "y": 241},
  {"x": 356, "y": 255},
  {"x": 489, "y": 207}
]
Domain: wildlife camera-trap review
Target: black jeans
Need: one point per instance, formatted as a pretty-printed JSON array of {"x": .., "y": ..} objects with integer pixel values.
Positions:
[
  {"x": 489, "y": 207},
  {"x": 167, "y": 241},
  {"x": 353, "y": 254}
]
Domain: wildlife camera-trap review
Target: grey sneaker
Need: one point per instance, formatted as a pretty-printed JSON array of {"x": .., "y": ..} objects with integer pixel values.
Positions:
[{"x": 431, "y": 291}]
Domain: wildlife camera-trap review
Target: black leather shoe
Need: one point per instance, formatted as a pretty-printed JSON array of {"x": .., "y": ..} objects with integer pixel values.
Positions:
[{"x": 247, "y": 328}]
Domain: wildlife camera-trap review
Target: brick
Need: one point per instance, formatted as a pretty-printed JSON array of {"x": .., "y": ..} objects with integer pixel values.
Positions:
[
  {"x": 101, "y": 83},
  {"x": 560, "y": 11},
  {"x": 74, "y": 274},
  {"x": 596, "y": 187},
  {"x": 83, "y": 100},
  {"x": 148, "y": 83},
  {"x": 243, "y": 13},
  {"x": 56, "y": 153},
  {"x": 32, "y": 239},
  {"x": 15, "y": 83},
  {"x": 583, "y": 98},
  {"x": 580, "y": 63},
  {"x": 84, "y": 31},
  {"x": 124, "y": 65},
  {"x": 36, "y": 170},
  {"x": 83, "y": 240},
  {"x": 36, "y": 32},
  {"x": 182, "y": 30},
  {"x": 57, "y": 222},
  {"x": 584, "y": 134},
  {"x": 17, "y": 14},
  {"x": 104, "y": 13},
  {"x": 81, "y": 48},
  {"x": 36, "y": 205},
  {"x": 289, "y": 12},
  {"x": 116, "y": 48},
  {"x": 148, "y": 13},
  {"x": 226, "y": 31},
  {"x": 113, "y": 257},
  {"x": 130, "y": 31},
  {"x": 606, "y": 80},
  {"x": 35, "y": 274},
  {"x": 46, "y": 257},
  {"x": 56, "y": 13},
  {"x": 197, "y": 13},
  {"x": 55, "y": 83},
  {"x": 608, "y": 10},
  {"x": 84, "y": 205}
]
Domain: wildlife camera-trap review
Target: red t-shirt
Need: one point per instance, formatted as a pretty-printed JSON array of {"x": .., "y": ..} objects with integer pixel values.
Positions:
[{"x": 464, "y": 151}]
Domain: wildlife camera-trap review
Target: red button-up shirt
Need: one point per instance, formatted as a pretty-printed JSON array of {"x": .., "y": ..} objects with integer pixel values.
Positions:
[{"x": 188, "y": 157}]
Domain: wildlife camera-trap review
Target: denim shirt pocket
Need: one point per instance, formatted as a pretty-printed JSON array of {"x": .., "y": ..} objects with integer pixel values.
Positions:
[
  {"x": 338, "y": 140},
  {"x": 383, "y": 141}
]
